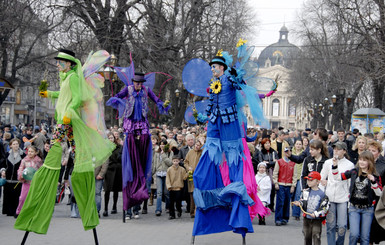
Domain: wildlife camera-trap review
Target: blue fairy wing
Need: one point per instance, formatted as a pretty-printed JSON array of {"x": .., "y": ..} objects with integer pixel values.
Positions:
[
  {"x": 200, "y": 107},
  {"x": 125, "y": 74},
  {"x": 196, "y": 77},
  {"x": 262, "y": 84}
]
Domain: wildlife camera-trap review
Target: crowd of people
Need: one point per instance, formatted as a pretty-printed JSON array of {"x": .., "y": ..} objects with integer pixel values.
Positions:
[{"x": 325, "y": 174}]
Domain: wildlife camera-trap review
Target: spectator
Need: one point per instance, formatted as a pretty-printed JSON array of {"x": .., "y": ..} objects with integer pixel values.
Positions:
[
  {"x": 364, "y": 187},
  {"x": 174, "y": 182},
  {"x": 284, "y": 180},
  {"x": 315, "y": 203},
  {"x": 264, "y": 187},
  {"x": 338, "y": 194},
  {"x": 162, "y": 161},
  {"x": 10, "y": 166},
  {"x": 190, "y": 163},
  {"x": 359, "y": 147},
  {"x": 32, "y": 160}
]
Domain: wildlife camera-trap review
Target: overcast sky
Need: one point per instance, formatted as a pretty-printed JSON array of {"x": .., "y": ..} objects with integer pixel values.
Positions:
[{"x": 271, "y": 15}]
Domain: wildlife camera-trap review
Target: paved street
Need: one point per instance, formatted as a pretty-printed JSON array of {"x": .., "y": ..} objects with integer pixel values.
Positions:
[{"x": 148, "y": 230}]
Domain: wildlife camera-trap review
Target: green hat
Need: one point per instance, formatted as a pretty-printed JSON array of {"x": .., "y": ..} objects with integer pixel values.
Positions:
[{"x": 66, "y": 55}]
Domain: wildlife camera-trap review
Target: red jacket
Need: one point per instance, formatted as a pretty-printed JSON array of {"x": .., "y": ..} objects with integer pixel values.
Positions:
[{"x": 285, "y": 172}]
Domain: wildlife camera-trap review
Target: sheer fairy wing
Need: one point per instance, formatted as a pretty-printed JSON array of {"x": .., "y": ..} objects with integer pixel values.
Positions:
[
  {"x": 262, "y": 84},
  {"x": 196, "y": 77},
  {"x": 125, "y": 74},
  {"x": 92, "y": 111},
  {"x": 200, "y": 106},
  {"x": 94, "y": 62}
]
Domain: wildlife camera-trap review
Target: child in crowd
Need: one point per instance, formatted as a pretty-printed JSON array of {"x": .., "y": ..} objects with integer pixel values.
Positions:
[
  {"x": 315, "y": 204},
  {"x": 32, "y": 160},
  {"x": 264, "y": 187},
  {"x": 174, "y": 182},
  {"x": 285, "y": 180},
  {"x": 365, "y": 185}
]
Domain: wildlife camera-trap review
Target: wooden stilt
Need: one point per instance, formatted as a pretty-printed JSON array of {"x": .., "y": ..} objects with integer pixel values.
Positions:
[
  {"x": 243, "y": 240},
  {"x": 95, "y": 237},
  {"x": 124, "y": 216},
  {"x": 25, "y": 237},
  {"x": 192, "y": 240}
]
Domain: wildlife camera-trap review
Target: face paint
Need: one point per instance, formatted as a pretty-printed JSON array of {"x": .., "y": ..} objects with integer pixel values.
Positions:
[
  {"x": 61, "y": 64},
  {"x": 216, "y": 71}
]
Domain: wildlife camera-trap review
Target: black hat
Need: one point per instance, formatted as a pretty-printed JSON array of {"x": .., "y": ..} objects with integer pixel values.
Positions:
[
  {"x": 308, "y": 129},
  {"x": 139, "y": 77},
  {"x": 356, "y": 131},
  {"x": 219, "y": 60},
  {"x": 67, "y": 55}
]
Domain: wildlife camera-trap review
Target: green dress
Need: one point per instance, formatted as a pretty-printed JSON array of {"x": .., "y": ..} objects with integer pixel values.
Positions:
[{"x": 91, "y": 151}]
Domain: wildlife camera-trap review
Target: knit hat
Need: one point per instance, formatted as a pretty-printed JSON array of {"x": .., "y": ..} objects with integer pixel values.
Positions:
[{"x": 261, "y": 164}]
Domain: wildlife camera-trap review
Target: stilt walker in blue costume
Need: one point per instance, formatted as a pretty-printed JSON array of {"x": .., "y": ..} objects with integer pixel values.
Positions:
[{"x": 223, "y": 207}]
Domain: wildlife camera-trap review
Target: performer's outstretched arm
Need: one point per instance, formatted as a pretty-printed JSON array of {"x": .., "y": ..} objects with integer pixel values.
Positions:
[
  {"x": 123, "y": 93},
  {"x": 53, "y": 94}
]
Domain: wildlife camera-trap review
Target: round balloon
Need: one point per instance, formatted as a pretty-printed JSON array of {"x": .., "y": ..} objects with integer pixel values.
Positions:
[{"x": 28, "y": 173}]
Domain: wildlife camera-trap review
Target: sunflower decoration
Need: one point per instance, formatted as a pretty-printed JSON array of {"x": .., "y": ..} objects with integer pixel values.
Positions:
[
  {"x": 219, "y": 53},
  {"x": 216, "y": 86}
]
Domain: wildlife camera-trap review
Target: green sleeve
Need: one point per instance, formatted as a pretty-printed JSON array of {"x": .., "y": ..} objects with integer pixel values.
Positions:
[
  {"x": 75, "y": 89},
  {"x": 53, "y": 94}
]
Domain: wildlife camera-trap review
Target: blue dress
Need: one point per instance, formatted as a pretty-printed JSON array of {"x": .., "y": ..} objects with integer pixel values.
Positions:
[{"x": 222, "y": 208}]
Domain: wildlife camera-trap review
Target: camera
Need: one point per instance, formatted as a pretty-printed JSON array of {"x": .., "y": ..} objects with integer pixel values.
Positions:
[{"x": 287, "y": 149}]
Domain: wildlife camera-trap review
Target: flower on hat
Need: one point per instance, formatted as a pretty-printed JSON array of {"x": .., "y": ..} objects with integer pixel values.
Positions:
[
  {"x": 241, "y": 42},
  {"x": 219, "y": 53},
  {"x": 216, "y": 87}
]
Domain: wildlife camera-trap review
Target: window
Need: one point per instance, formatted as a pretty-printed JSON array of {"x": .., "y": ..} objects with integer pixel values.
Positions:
[{"x": 275, "y": 108}]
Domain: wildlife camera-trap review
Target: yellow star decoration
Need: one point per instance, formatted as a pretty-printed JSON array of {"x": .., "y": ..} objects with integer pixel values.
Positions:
[
  {"x": 241, "y": 42},
  {"x": 216, "y": 87},
  {"x": 220, "y": 52}
]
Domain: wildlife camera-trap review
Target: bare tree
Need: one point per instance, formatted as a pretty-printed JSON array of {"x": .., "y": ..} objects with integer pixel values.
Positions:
[
  {"x": 331, "y": 60},
  {"x": 24, "y": 31}
]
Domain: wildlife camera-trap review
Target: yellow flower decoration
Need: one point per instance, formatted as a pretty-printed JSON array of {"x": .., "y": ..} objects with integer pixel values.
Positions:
[
  {"x": 216, "y": 87},
  {"x": 241, "y": 42},
  {"x": 219, "y": 53}
]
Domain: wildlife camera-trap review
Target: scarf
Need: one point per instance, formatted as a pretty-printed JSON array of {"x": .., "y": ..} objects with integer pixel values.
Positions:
[{"x": 12, "y": 159}]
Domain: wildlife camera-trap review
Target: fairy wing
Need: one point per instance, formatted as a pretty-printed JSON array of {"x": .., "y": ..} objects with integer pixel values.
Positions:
[
  {"x": 92, "y": 111},
  {"x": 200, "y": 106},
  {"x": 196, "y": 76}
]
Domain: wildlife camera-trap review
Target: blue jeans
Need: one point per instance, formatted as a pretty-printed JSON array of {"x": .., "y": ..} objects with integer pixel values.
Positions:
[
  {"x": 160, "y": 189},
  {"x": 98, "y": 193},
  {"x": 332, "y": 224},
  {"x": 359, "y": 216},
  {"x": 296, "y": 211},
  {"x": 282, "y": 204}
]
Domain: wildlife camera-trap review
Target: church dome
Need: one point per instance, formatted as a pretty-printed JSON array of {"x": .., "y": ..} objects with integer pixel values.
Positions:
[{"x": 280, "y": 53}]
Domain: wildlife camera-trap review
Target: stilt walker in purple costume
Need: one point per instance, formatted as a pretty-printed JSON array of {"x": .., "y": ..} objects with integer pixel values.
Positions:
[{"x": 137, "y": 150}]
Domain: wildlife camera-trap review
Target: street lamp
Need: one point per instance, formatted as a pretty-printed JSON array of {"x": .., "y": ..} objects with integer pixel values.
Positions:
[{"x": 177, "y": 92}]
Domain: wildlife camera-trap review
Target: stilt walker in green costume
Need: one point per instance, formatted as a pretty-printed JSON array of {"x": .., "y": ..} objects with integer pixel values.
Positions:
[{"x": 80, "y": 120}]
